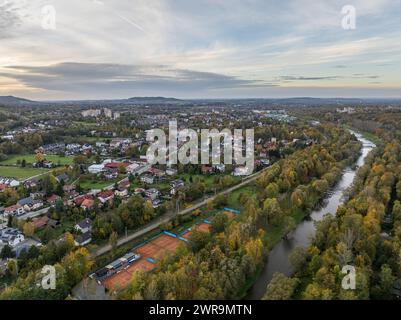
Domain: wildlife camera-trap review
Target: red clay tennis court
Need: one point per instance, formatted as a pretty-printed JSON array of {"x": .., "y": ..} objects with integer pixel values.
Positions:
[
  {"x": 159, "y": 246},
  {"x": 121, "y": 279},
  {"x": 203, "y": 227},
  {"x": 230, "y": 214}
]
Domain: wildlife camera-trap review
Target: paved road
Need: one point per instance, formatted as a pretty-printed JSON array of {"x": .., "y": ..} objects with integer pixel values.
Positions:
[
  {"x": 34, "y": 214},
  {"x": 170, "y": 215}
]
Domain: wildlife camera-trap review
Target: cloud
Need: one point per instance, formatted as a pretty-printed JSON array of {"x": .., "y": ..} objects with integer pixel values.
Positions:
[{"x": 93, "y": 78}]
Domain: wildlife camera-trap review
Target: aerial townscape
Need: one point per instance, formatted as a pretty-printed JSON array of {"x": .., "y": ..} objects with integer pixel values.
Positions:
[{"x": 199, "y": 158}]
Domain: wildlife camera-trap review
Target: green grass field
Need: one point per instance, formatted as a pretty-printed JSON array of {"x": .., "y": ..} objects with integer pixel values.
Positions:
[
  {"x": 30, "y": 158},
  {"x": 20, "y": 173}
]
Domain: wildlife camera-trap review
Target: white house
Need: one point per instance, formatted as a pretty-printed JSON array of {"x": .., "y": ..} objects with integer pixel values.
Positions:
[
  {"x": 84, "y": 226},
  {"x": 15, "y": 210},
  {"x": 96, "y": 168},
  {"x": 11, "y": 237}
]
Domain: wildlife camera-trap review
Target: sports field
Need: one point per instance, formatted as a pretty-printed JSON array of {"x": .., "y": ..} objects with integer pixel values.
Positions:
[
  {"x": 203, "y": 227},
  {"x": 159, "y": 246},
  {"x": 121, "y": 279}
]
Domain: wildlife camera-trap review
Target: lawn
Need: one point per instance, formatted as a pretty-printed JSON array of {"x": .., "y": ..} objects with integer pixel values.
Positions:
[
  {"x": 233, "y": 197},
  {"x": 209, "y": 180},
  {"x": 98, "y": 185},
  {"x": 20, "y": 173},
  {"x": 30, "y": 158}
]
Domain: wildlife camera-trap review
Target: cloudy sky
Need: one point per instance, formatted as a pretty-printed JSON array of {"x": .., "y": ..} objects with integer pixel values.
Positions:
[{"x": 198, "y": 49}]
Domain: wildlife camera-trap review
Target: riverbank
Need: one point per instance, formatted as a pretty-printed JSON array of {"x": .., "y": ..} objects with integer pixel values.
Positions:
[{"x": 278, "y": 258}]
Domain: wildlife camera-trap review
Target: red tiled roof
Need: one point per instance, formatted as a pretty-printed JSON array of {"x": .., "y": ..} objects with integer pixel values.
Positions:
[
  {"x": 78, "y": 201},
  {"x": 106, "y": 194},
  {"x": 88, "y": 203},
  {"x": 116, "y": 165}
]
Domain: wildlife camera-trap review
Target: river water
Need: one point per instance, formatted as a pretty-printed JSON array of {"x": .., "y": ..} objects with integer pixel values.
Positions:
[{"x": 278, "y": 259}]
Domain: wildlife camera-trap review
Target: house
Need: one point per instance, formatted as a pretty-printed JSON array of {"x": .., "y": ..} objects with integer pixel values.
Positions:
[
  {"x": 11, "y": 237},
  {"x": 84, "y": 226},
  {"x": 40, "y": 223},
  {"x": 83, "y": 239},
  {"x": 25, "y": 245},
  {"x": 147, "y": 178},
  {"x": 177, "y": 184},
  {"x": 156, "y": 172},
  {"x": 220, "y": 168},
  {"x": 240, "y": 171},
  {"x": 15, "y": 210},
  {"x": 139, "y": 191},
  {"x": 96, "y": 168},
  {"x": 121, "y": 192},
  {"x": 79, "y": 200},
  {"x": 111, "y": 174},
  {"x": 152, "y": 194},
  {"x": 140, "y": 170},
  {"x": 3, "y": 187},
  {"x": 171, "y": 172},
  {"x": 62, "y": 177},
  {"x": 69, "y": 190},
  {"x": 105, "y": 196},
  {"x": 30, "y": 204},
  {"x": 116, "y": 165},
  {"x": 87, "y": 204},
  {"x": 207, "y": 169},
  {"x": 53, "y": 199}
]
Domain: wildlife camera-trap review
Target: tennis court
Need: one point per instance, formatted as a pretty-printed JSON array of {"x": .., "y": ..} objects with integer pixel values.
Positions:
[
  {"x": 159, "y": 246},
  {"x": 203, "y": 227},
  {"x": 230, "y": 214},
  {"x": 121, "y": 279}
]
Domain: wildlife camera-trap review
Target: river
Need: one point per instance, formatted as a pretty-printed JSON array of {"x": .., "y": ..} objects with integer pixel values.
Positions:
[{"x": 278, "y": 259}]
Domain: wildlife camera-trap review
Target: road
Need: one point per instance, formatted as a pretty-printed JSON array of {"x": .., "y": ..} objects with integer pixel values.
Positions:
[
  {"x": 170, "y": 215},
  {"x": 33, "y": 214}
]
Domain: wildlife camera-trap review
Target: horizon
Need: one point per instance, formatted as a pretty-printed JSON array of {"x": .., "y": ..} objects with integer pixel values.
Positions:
[
  {"x": 202, "y": 50},
  {"x": 204, "y": 99}
]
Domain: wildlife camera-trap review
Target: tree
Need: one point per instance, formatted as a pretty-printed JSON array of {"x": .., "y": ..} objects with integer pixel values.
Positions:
[
  {"x": 7, "y": 252},
  {"x": 219, "y": 222},
  {"x": 272, "y": 211},
  {"x": 198, "y": 239},
  {"x": 280, "y": 287},
  {"x": 398, "y": 189},
  {"x": 386, "y": 281},
  {"x": 113, "y": 240},
  {"x": 298, "y": 258},
  {"x": 148, "y": 211},
  {"x": 121, "y": 169},
  {"x": 39, "y": 157},
  {"x": 272, "y": 190},
  {"x": 29, "y": 229}
]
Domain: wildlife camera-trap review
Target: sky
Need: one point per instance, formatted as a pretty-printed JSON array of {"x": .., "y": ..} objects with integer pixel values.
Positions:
[{"x": 106, "y": 49}]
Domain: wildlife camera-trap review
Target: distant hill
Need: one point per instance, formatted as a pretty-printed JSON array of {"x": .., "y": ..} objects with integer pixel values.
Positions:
[
  {"x": 154, "y": 100},
  {"x": 11, "y": 100}
]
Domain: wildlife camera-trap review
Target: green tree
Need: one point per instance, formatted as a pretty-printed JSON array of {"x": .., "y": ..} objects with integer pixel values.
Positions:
[{"x": 280, "y": 287}]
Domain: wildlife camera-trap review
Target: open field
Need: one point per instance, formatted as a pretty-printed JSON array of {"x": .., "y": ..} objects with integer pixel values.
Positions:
[
  {"x": 30, "y": 158},
  {"x": 20, "y": 173}
]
